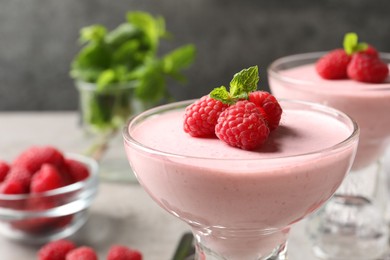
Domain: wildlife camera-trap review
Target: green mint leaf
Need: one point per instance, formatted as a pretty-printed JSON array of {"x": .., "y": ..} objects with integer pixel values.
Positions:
[
  {"x": 352, "y": 45},
  {"x": 90, "y": 61},
  {"x": 93, "y": 33},
  {"x": 179, "y": 58},
  {"x": 105, "y": 79},
  {"x": 123, "y": 33},
  {"x": 127, "y": 54},
  {"x": 153, "y": 28},
  {"x": 244, "y": 81},
  {"x": 350, "y": 42},
  {"x": 151, "y": 82},
  {"x": 221, "y": 94},
  {"x": 244, "y": 95},
  {"x": 362, "y": 46}
]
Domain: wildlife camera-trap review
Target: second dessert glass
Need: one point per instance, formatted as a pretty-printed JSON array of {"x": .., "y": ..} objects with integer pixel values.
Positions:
[
  {"x": 352, "y": 225},
  {"x": 239, "y": 208}
]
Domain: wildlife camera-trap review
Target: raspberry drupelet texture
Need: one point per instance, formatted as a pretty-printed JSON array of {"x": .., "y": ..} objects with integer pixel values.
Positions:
[
  {"x": 372, "y": 51},
  {"x": 367, "y": 68},
  {"x": 17, "y": 181},
  {"x": 82, "y": 253},
  {"x": 242, "y": 125},
  {"x": 269, "y": 107},
  {"x": 33, "y": 158},
  {"x": 333, "y": 65},
  {"x": 201, "y": 117},
  {"x": 56, "y": 250},
  {"x": 76, "y": 170},
  {"x": 4, "y": 169},
  {"x": 121, "y": 252},
  {"x": 46, "y": 178}
]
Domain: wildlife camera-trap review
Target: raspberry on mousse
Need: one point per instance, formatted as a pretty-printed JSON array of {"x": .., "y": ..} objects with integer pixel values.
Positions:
[
  {"x": 241, "y": 117},
  {"x": 357, "y": 61}
]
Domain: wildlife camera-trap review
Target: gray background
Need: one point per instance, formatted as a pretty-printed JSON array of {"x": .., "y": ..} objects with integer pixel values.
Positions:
[{"x": 38, "y": 39}]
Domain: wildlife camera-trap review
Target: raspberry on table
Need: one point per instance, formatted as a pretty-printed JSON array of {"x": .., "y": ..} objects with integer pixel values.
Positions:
[
  {"x": 34, "y": 157},
  {"x": 242, "y": 125},
  {"x": 56, "y": 250},
  {"x": 4, "y": 169},
  {"x": 333, "y": 65},
  {"x": 201, "y": 117},
  {"x": 121, "y": 252},
  {"x": 47, "y": 178},
  {"x": 367, "y": 68},
  {"x": 82, "y": 253},
  {"x": 269, "y": 107}
]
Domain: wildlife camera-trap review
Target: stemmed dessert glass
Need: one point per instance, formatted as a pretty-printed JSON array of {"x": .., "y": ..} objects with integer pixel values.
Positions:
[
  {"x": 240, "y": 208},
  {"x": 352, "y": 225}
]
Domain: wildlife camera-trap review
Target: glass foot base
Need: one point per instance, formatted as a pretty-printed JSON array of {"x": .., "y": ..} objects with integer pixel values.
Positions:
[
  {"x": 348, "y": 228},
  {"x": 280, "y": 253},
  {"x": 241, "y": 244}
]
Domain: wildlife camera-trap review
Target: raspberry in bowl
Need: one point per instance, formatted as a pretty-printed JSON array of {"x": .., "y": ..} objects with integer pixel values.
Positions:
[{"x": 45, "y": 194}]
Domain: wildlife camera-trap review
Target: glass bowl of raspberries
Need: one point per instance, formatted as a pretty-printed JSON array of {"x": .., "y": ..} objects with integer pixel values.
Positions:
[{"x": 45, "y": 194}]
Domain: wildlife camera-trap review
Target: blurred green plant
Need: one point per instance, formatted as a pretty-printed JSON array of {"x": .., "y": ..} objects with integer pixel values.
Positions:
[{"x": 127, "y": 54}]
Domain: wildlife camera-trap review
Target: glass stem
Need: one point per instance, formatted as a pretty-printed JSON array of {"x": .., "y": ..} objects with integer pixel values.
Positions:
[{"x": 238, "y": 244}]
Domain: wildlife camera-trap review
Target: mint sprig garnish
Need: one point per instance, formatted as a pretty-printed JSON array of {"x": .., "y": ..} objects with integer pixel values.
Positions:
[
  {"x": 352, "y": 45},
  {"x": 241, "y": 85}
]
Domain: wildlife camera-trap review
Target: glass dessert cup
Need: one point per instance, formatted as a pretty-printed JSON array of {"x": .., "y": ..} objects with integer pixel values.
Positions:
[
  {"x": 56, "y": 214},
  {"x": 352, "y": 225},
  {"x": 240, "y": 208}
]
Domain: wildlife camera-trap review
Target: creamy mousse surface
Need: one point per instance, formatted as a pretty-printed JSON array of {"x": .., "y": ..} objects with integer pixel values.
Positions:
[
  {"x": 300, "y": 132},
  {"x": 217, "y": 187},
  {"x": 368, "y": 104}
]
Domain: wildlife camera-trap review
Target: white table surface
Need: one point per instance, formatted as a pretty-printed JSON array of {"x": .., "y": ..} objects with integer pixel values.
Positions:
[{"x": 121, "y": 213}]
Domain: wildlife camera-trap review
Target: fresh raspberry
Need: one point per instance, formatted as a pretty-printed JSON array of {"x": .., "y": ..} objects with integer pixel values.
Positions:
[
  {"x": 47, "y": 178},
  {"x": 242, "y": 125},
  {"x": 77, "y": 170},
  {"x": 63, "y": 221},
  {"x": 33, "y": 158},
  {"x": 201, "y": 117},
  {"x": 17, "y": 181},
  {"x": 269, "y": 107},
  {"x": 42, "y": 225},
  {"x": 371, "y": 51},
  {"x": 12, "y": 188},
  {"x": 56, "y": 250},
  {"x": 4, "y": 169},
  {"x": 367, "y": 68},
  {"x": 333, "y": 65},
  {"x": 82, "y": 253},
  {"x": 120, "y": 252},
  {"x": 35, "y": 225}
]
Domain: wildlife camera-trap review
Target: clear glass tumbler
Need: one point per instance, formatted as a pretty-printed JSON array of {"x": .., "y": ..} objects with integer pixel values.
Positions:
[{"x": 102, "y": 115}]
